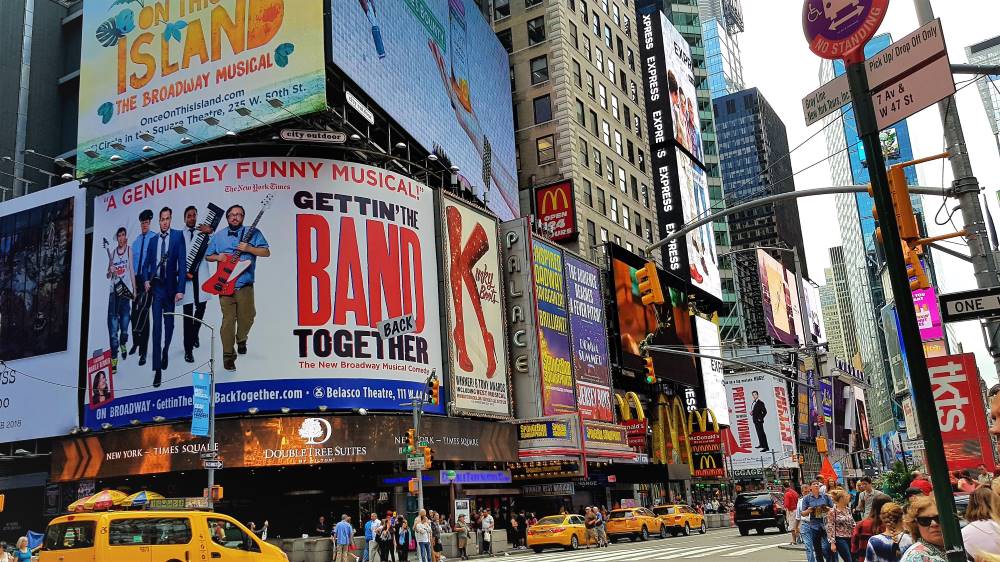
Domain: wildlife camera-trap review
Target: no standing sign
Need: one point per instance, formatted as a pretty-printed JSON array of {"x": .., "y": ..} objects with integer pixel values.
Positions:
[{"x": 839, "y": 29}]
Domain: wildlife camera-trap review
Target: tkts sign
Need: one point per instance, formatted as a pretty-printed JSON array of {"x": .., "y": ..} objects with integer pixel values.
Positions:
[
  {"x": 960, "y": 411},
  {"x": 554, "y": 208}
]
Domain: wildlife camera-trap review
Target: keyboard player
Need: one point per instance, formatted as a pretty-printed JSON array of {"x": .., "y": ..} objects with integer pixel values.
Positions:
[{"x": 194, "y": 298}]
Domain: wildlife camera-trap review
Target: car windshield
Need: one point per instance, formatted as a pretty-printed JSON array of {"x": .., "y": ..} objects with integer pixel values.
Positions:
[
  {"x": 760, "y": 500},
  {"x": 621, "y": 514},
  {"x": 552, "y": 520},
  {"x": 665, "y": 510}
]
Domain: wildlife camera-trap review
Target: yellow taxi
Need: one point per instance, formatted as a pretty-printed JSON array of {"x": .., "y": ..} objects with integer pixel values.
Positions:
[
  {"x": 680, "y": 519},
  {"x": 635, "y": 523},
  {"x": 153, "y": 536},
  {"x": 567, "y": 531}
]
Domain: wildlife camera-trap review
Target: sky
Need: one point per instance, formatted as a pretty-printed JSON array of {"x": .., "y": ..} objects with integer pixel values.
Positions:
[{"x": 781, "y": 65}]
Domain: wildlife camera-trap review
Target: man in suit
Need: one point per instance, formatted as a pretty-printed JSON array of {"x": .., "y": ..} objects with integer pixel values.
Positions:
[
  {"x": 140, "y": 305},
  {"x": 758, "y": 412},
  {"x": 164, "y": 271},
  {"x": 194, "y": 298}
]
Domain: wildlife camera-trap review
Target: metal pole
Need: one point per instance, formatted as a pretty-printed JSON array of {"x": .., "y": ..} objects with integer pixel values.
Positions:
[
  {"x": 923, "y": 397},
  {"x": 418, "y": 405}
]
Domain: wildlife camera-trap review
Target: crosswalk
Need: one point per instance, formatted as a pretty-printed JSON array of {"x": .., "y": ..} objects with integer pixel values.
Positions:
[{"x": 654, "y": 553}]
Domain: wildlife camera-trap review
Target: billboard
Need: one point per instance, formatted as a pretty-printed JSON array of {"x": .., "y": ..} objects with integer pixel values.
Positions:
[
  {"x": 437, "y": 68},
  {"x": 154, "y": 74},
  {"x": 928, "y": 314},
  {"x": 41, "y": 296},
  {"x": 777, "y": 294},
  {"x": 702, "y": 254},
  {"x": 333, "y": 248},
  {"x": 555, "y": 208},
  {"x": 555, "y": 355},
  {"x": 476, "y": 347},
  {"x": 961, "y": 412},
  {"x": 636, "y": 321},
  {"x": 589, "y": 339},
  {"x": 814, "y": 315},
  {"x": 709, "y": 343},
  {"x": 761, "y": 422}
]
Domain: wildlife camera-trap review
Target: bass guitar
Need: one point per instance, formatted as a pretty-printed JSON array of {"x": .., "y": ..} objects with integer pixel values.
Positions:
[{"x": 223, "y": 281}]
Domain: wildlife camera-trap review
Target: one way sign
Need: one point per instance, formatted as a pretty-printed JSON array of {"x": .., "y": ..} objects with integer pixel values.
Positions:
[{"x": 970, "y": 305}]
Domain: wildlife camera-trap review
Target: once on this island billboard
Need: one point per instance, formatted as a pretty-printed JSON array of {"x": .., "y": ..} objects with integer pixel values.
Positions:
[
  {"x": 157, "y": 76},
  {"x": 437, "y": 68},
  {"x": 332, "y": 250}
]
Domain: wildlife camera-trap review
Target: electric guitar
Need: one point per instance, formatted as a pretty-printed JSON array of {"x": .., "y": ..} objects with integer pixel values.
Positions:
[{"x": 223, "y": 282}]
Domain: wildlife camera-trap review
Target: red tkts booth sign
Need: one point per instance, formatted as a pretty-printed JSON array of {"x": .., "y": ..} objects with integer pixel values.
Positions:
[{"x": 960, "y": 411}]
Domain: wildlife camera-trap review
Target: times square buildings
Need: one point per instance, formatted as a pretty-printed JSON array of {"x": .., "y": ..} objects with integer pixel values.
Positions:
[{"x": 368, "y": 158}]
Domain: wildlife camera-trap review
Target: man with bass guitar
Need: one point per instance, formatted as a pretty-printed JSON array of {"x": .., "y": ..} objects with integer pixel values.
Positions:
[
  {"x": 164, "y": 271},
  {"x": 238, "y": 310}
]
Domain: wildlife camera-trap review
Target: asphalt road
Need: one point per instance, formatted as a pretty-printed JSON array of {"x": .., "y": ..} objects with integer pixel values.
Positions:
[{"x": 722, "y": 544}]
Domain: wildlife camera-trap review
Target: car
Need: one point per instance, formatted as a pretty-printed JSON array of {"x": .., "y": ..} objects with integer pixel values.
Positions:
[
  {"x": 130, "y": 536},
  {"x": 760, "y": 510},
  {"x": 680, "y": 519},
  {"x": 567, "y": 531},
  {"x": 635, "y": 523}
]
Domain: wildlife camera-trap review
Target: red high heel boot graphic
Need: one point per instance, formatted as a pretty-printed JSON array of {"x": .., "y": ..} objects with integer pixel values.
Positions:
[{"x": 462, "y": 260}]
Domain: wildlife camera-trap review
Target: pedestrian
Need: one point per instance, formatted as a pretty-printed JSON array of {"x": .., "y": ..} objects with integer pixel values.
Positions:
[
  {"x": 982, "y": 534},
  {"x": 590, "y": 526},
  {"x": 889, "y": 544},
  {"x": 921, "y": 482},
  {"x": 422, "y": 532},
  {"x": 840, "y": 526},
  {"x": 791, "y": 502},
  {"x": 403, "y": 540},
  {"x": 522, "y": 525},
  {"x": 924, "y": 525},
  {"x": 515, "y": 532},
  {"x": 462, "y": 536},
  {"x": 397, "y": 529},
  {"x": 984, "y": 477},
  {"x": 814, "y": 507},
  {"x": 868, "y": 527},
  {"x": 321, "y": 527},
  {"x": 22, "y": 553},
  {"x": 965, "y": 481},
  {"x": 436, "y": 547},
  {"x": 532, "y": 520},
  {"x": 867, "y": 497},
  {"x": 371, "y": 532},
  {"x": 488, "y": 527},
  {"x": 384, "y": 539},
  {"x": 342, "y": 534}
]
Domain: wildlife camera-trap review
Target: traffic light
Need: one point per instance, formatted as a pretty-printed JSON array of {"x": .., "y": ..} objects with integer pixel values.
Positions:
[
  {"x": 411, "y": 486},
  {"x": 906, "y": 221},
  {"x": 650, "y": 373},
  {"x": 428, "y": 457},
  {"x": 914, "y": 269},
  {"x": 802, "y": 459},
  {"x": 216, "y": 493},
  {"x": 821, "y": 445},
  {"x": 411, "y": 441},
  {"x": 649, "y": 284},
  {"x": 434, "y": 391}
]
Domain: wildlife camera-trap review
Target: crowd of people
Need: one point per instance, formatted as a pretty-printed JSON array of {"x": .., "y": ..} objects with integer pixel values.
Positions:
[{"x": 868, "y": 526}]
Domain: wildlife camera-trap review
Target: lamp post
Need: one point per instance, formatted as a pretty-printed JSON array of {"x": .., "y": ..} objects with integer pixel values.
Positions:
[{"x": 211, "y": 398}]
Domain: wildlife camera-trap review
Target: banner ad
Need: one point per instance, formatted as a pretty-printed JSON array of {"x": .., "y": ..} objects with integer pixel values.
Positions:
[
  {"x": 157, "y": 76},
  {"x": 815, "y": 312},
  {"x": 706, "y": 452},
  {"x": 277, "y": 441},
  {"x": 928, "y": 314},
  {"x": 555, "y": 208},
  {"x": 476, "y": 343},
  {"x": 438, "y": 69},
  {"x": 762, "y": 422},
  {"x": 553, "y": 330},
  {"x": 702, "y": 254},
  {"x": 333, "y": 248},
  {"x": 960, "y": 412},
  {"x": 41, "y": 296},
  {"x": 711, "y": 369},
  {"x": 589, "y": 339},
  {"x": 778, "y": 312}
]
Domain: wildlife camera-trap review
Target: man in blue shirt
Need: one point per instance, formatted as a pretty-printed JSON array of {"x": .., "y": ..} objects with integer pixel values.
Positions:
[
  {"x": 163, "y": 272},
  {"x": 371, "y": 531},
  {"x": 140, "y": 306},
  {"x": 813, "y": 509},
  {"x": 238, "y": 308},
  {"x": 342, "y": 533}
]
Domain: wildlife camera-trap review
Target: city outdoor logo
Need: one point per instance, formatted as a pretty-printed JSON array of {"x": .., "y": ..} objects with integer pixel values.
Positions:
[{"x": 315, "y": 431}]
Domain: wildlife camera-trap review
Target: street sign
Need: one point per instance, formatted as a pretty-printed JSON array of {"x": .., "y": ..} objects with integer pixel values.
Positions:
[
  {"x": 913, "y": 445},
  {"x": 209, "y": 455},
  {"x": 826, "y": 99},
  {"x": 216, "y": 464},
  {"x": 837, "y": 29},
  {"x": 299, "y": 135},
  {"x": 397, "y": 326},
  {"x": 913, "y": 92},
  {"x": 970, "y": 305},
  {"x": 414, "y": 463}
]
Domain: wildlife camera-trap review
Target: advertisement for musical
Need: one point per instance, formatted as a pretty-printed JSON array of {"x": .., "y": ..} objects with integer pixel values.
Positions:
[
  {"x": 158, "y": 76},
  {"x": 556, "y": 357},
  {"x": 437, "y": 68},
  {"x": 555, "y": 208},
  {"x": 41, "y": 299},
  {"x": 709, "y": 343},
  {"x": 290, "y": 264},
  {"x": 589, "y": 342},
  {"x": 761, "y": 429},
  {"x": 925, "y": 303},
  {"x": 476, "y": 344},
  {"x": 960, "y": 411}
]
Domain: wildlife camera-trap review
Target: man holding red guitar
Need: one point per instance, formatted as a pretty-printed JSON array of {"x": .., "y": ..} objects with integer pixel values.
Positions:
[{"x": 237, "y": 307}]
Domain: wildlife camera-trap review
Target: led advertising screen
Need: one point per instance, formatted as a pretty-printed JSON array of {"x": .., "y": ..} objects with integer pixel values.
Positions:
[
  {"x": 589, "y": 337},
  {"x": 814, "y": 316},
  {"x": 709, "y": 343},
  {"x": 960, "y": 411},
  {"x": 778, "y": 311},
  {"x": 682, "y": 91},
  {"x": 476, "y": 344},
  {"x": 41, "y": 296},
  {"x": 702, "y": 254},
  {"x": 155, "y": 74},
  {"x": 332, "y": 248},
  {"x": 928, "y": 314},
  {"x": 636, "y": 321},
  {"x": 761, "y": 422},
  {"x": 558, "y": 396},
  {"x": 438, "y": 69},
  {"x": 793, "y": 305}
]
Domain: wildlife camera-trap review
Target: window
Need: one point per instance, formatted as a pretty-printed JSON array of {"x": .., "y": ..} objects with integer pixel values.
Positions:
[
  {"x": 536, "y": 30},
  {"x": 630, "y": 150},
  {"x": 572, "y": 36},
  {"x": 583, "y": 10},
  {"x": 626, "y": 219},
  {"x": 616, "y": 15},
  {"x": 649, "y": 230},
  {"x": 142, "y": 531},
  {"x": 501, "y": 9},
  {"x": 620, "y": 48},
  {"x": 598, "y": 162},
  {"x": 614, "y": 209},
  {"x": 586, "y": 47},
  {"x": 597, "y": 25},
  {"x": 606, "y": 132},
  {"x": 611, "y": 70},
  {"x": 517, "y": 127},
  {"x": 228, "y": 535},
  {"x": 630, "y": 57},
  {"x": 539, "y": 70},
  {"x": 581, "y": 113},
  {"x": 611, "y": 170},
  {"x": 632, "y": 92},
  {"x": 545, "y": 149},
  {"x": 604, "y": 4},
  {"x": 543, "y": 109},
  {"x": 591, "y": 233},
  {"x": 600, "y": 204},
  {"x": 628, "y": 246},
  {"x": 505, "y": 40},
  {"x": 604, "y": 96},
  {"x": 530, "y": 3},
  {"x": 577, "y": 76},
  {"x": 628, "y": 25},
  {"x": 513, "y": 84},
  {"x": 69, "y": 536},
  {"x": 634, "y": 183},
  {"x": 604, "y": 234},
  {"x": 599, "y": 60},
  {"x": 584, "y": 153},
  {"x": 588, "y": 195},
  {"x": 618, "y": 143},
  {"x": 642, "y": 161},
  {"x": 622, "y": 186},
  {"x": 628, "y": 113},
  {"x": 638, "y": 126},
  {"x": 614, "y": 107},
  {"x": 590, "y": 86},
  {"x": 618, "y": 240},
  {"x": 636, "y": 220},
  {"x": 593, "y": 122},
  {"x": 607, "y": 37}
]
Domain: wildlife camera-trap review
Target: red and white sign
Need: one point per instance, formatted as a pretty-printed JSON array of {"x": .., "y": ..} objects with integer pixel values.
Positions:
[
  {"x": 705, "y": 442},
  {"x": 594, "y": 401},
  {"x": 636, "y": 432},
  {"x": 960, "y": 411},
  {"x": 554, "y": 208}
]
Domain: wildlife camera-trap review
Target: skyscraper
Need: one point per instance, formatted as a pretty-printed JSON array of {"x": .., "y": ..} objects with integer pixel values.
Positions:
[
  {"x": 831, "y": 315},
  {"x": 840, "y": 315},
  {"x": 988, "y": 52},
  {"x": 721, "y": 24}
]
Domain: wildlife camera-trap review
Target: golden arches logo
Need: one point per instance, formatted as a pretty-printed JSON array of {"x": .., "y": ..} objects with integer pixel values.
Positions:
[
  {"x": 707, "y": 462},
  {"x": 703, "y": 417},
  {"x": 552, "y": 197},
  {"x": 623, "y": 406}
]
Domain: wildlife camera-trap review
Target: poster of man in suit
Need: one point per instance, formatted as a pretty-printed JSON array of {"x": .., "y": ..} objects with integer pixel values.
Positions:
[{"x": 761, "y": 432}]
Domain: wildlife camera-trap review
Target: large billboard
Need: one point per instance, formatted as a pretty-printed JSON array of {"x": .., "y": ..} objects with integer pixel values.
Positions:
[
  {"x": 158, "y": 76},
  {"x": 702, "y": 254},
  {"x": 779, "y": 313},
  {"x": 41, "y": 296},
  {"x": 589, "y": 339},
  {"x": 332, "y": 248},
  {"x": 438, "y": 69},
  {"x": 555, "y": 355},
  {"x": 476, "y": 344},
  {"x": 709, "y": 343},
  {"x": 814, "y": 316},
  {"x": 762, "y": 426},
  {"x": 960, "y": 411}
]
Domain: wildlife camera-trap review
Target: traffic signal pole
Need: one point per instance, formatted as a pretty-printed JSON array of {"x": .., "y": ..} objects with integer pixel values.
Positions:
[
  {"x": 418, "y": 406},
  {"x": 923, "y": 397}
]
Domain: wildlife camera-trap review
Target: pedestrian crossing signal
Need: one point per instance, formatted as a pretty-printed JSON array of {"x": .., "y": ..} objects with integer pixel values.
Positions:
[
  {"x": 412, "y": 486},
  {"x": 650, "y": 373}
]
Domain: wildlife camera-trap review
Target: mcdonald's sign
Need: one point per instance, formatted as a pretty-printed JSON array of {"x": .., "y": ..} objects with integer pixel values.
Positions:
[
  {"x": 555, "y": 208},
  {"x": 708, "y": 465}
]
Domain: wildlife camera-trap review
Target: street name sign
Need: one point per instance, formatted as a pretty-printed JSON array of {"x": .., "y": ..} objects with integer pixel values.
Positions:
[
  {"x": 826, "y": 99},
  {"x": 414, "y": 462},
  {"x": 907, "y": 53},
  {"x": 216, "y": 464},
  {"x": 913, "y": 92},
  {"x": 913, "y": 445},
  {"x": 209, "y": 455},
  {"x": 301, "y": 135},
  {"x": 970, "y": 305}
]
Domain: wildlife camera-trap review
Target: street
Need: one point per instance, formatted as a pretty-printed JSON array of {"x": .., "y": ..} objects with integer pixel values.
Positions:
[{"x": 720, "y": 544}]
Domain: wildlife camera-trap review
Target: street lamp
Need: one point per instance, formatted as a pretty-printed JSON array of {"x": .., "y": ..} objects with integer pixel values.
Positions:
[{"x": 211, "y": 398}]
